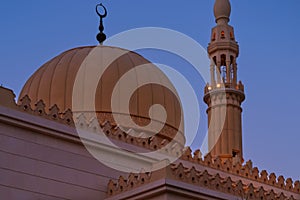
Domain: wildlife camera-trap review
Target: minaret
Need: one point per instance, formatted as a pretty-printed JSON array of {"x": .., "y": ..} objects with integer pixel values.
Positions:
[{"x": 224, "y": 94}]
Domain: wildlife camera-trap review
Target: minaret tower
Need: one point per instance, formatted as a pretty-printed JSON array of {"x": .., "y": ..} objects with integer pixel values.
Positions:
[{"x": 224, "y": 94}]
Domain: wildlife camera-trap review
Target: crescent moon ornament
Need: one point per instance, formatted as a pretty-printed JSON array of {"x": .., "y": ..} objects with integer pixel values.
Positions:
[
  {"x": 101, "y": 37},
  {"x": 98, "y": 13}
]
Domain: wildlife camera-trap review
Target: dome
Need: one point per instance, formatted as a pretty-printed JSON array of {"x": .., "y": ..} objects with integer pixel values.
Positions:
[
  {"x": 54, "y": 83},
  {"x": 222, "y": 9}
]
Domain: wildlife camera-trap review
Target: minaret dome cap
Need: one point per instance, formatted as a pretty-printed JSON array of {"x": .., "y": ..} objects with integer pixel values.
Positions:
[{"x": 222, "y": 10}]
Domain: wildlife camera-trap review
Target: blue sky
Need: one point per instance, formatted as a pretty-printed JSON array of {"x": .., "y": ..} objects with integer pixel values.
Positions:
[{"x": 33, "y": 32}]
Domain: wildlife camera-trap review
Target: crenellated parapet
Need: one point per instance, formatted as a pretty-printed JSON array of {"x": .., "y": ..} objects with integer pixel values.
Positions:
[
  {"x": 201, "y": 179},
  {"x": 243, "y": 170},
  {"x": 7, "y": 100},
  {"x": 94, "y": 124},
  {"x": 52, "y": 113},
  {"x": 130, "y": 136}
]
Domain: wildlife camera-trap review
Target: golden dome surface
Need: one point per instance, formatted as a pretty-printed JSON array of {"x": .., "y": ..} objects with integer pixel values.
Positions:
[{"x": 53, "y": 83}]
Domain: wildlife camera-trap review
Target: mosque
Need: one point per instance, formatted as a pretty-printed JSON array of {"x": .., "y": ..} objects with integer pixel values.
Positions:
[{"x": 59, "y": 143}]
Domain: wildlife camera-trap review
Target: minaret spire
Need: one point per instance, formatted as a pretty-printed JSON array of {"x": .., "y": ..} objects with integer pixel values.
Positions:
[
  {"x": 222, "y": 11},
  {"x": 101, "y": 37},
  {"x": 224, "y": 95}
]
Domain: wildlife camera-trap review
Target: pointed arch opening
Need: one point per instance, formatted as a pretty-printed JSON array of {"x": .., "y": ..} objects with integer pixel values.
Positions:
[
  {"x": 222, "y": 34},
  {"x": 213, "y": 37}
]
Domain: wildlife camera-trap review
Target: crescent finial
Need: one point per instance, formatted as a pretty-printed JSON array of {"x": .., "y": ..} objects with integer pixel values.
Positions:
[
  {"x": 101, "y": 37},
  {"x": 98, "y": 13}
]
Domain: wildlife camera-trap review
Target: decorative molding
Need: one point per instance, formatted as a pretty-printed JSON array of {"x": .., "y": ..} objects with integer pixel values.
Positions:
[
  {"x": 246, "y": 171},
  {"x": 199, "y": 178},
  {"x": 40, "y": 110},
  {"x": 111, "y": 130}
]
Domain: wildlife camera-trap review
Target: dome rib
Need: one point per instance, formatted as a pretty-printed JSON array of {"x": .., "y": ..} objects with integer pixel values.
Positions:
[
  {"x": 136, "y": 80},
  {"x": 66, "y": 80},
  {"x": 25, "y": 89},
  {"x": 39, "y": 82},
  {"x": 53, "y": 75}
]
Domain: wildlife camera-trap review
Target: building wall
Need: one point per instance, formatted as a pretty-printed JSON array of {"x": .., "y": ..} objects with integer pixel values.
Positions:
[{"x": 36, "y": 165}]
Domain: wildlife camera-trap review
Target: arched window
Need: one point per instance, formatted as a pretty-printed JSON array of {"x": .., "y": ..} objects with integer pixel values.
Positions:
[
  {"x": 231, "y": 36},
  {"x": 223, "y": 59},
  {"x": 213, "y": 37},
  {"x": 215, "y": 60},
  {"x": 222, "y": 34},
  {"x": 223, "y": 67}
]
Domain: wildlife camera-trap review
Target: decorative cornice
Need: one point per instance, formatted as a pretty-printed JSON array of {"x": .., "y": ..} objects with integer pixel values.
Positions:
[
  {"x": 53, "y": 113},
  {"x": 219, "y": 46},
  {"x": 199, "y": 178},
  {"x": 245, "y": 170},
  {"x": 111, "y": 130}
]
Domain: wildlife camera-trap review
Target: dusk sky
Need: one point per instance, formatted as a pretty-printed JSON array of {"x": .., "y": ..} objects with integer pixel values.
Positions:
[{"x": 32, "y": 32}]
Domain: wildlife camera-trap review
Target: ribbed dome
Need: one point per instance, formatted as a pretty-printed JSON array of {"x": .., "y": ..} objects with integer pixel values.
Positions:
[
  {"x": 53, "y": 83},
  {"x": 222, "y": 9}
]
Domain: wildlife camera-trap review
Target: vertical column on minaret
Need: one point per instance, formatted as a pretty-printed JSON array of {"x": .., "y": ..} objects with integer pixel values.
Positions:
[
  {"x": 212, "y": 72},
  {"x": 218, "y": 71},
  {"x": 234, "y": 64},
  {"x": 228, "y": 70}
]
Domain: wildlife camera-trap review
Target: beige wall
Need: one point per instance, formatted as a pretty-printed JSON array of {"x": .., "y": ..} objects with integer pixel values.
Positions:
[{"x": 36, "y": 166}]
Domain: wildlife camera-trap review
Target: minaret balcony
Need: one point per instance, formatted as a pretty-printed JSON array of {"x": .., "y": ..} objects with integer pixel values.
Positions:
[{"x": 221, "y": 86}]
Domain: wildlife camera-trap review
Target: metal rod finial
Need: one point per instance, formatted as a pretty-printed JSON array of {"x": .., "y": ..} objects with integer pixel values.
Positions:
[{"x": 101, "y": 37}]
